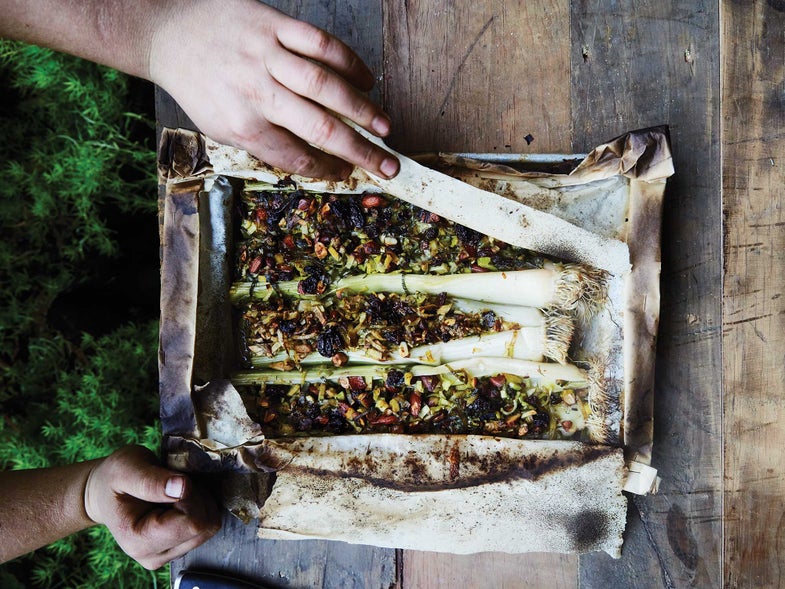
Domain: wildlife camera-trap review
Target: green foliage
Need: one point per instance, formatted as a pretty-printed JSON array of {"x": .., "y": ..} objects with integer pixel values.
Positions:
[
  {"x": 105, "y": 401},
  {"x": 65, "y": 157},
  {"x": 69, "y": 156}
]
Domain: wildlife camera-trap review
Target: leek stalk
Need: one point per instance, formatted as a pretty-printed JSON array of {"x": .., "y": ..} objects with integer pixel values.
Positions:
[
  {"x": 527, "y": 343},
  {"x": 568, "y": 287},
  {"x": 537, "y": 372}
]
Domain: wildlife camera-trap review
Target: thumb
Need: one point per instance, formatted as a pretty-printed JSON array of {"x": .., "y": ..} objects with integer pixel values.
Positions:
[{"x": 142, "y": 478}]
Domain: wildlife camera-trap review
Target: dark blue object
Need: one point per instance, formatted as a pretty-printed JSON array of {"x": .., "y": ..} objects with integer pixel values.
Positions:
[{"x": 197, "y": 580}]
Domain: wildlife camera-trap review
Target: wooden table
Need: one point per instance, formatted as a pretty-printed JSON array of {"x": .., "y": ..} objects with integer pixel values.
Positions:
[{"x": 480, "y": 76}]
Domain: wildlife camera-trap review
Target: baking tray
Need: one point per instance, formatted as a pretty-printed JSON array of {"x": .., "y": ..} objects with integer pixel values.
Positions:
[{"x": 207, "y": 429}]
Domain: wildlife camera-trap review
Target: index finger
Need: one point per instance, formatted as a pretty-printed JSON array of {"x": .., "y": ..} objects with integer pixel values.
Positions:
[
  {"x": 310, "y": 41},
  {"x": 164, "y": 528},
  {"x": 323, "y": 87},
  {"x": 318, "y": 127},
  {"x": 164, "y": 535},
  {"x": 159, "y": 559}
]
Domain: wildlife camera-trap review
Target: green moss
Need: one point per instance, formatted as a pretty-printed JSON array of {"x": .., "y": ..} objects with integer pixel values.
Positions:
[{"x": 73, "y": 151}]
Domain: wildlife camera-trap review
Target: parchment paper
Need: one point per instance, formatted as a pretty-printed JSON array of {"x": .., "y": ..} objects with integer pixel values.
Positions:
[{"x": 387, "y": 489}]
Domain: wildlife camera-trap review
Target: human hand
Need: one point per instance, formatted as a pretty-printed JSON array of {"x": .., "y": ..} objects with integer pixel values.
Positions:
[
  {"x": 154, "y": 514},
  {"x": 252, "y": 77}
]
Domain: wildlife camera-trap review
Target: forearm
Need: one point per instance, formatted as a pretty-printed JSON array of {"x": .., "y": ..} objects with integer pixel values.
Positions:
[
  {"x": 116, "y": 33},
  {"x": 40, "y": 506}
]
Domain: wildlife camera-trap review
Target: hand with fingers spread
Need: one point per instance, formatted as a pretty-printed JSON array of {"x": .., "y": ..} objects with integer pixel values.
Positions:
[
  {"x": 255, "y": 78},
  {"x": 155, "y": 514}
]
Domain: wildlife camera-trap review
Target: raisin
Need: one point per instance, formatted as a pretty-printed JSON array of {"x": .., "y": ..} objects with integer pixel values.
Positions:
[
  {"x": 374, "y": 307},
  {"x": 283, "y": 274},
  {"x": 317, "y": 271},
  {"x": 466, "y": 235},
  {"x": 316, "y": 280},
  {"x": 399, "y": 310},
  {"x": 540, "y": 421},
  {"x": 349, "y": 212},
  {"x": 336, "y": 422},
  {"x": 487, "y": 390},
  {"x": 280, "y": 205},
  {"x": 394, "y": 379},
  {"x": 356, "y": 217},
  {"x": 308, "y": 285},
  {"x": 385, "y": 216},
  {"x": 394, "y": 336},
  {"x": 275, "y": 392},
  {"x": 482, "y": 408},
  {"x": 287, "y": 326},
  {"x": 421, "y": 214},
  {"x": 501, "y": 263},
  {"x": 312, "y": 411},
  {"x": 488, "y": 319},
  {"x": 329, "y": 342},
  {"x": 304, "y": 424}
]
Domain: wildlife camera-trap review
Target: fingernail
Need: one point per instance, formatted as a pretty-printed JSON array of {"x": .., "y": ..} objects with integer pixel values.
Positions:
[
  {"x": 381, "y": 125},
  {"x": 175, "y": 487},
  {"x": 389, "y": 167}
]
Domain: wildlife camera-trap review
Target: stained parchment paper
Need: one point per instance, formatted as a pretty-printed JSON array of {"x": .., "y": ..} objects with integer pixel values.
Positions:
[{"x": 445, "y": 493}]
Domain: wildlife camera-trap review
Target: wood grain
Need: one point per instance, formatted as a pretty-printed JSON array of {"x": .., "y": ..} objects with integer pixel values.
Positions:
[
  {"x": 491, "y": 569},
  {"x": 753, "y": 143},
  {"x": 637, "y": 64},
  {"x": 477, "y": 76},
  {"x": 236, "y": 551}
]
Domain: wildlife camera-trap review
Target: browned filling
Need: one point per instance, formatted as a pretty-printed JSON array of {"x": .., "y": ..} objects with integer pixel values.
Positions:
[
  {"x": 375, "y": 323},
  {"x": 316, "y": 240},
  {"x": 501, "y": 405}
]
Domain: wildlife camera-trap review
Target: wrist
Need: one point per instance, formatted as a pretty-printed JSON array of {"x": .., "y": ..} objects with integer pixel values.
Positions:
[
  {"x": 123, "y": 33},
  {"x": 168, "y": 27},
  {"x": 177, "y": 26},
  {"x": 91, "y": 491}
]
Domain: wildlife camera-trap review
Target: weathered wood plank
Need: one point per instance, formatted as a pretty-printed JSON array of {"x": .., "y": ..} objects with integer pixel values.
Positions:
[
  {"x": 477, "y": 76},
  {"x": 168, "y": 113},
  {"x": 753, "y": 143},
  {"x": 637, "y": 64},
  {"x": 357, "y": 23},
  {"x": 492, "y": 569},
  {"x": 235, "y": 549}
]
